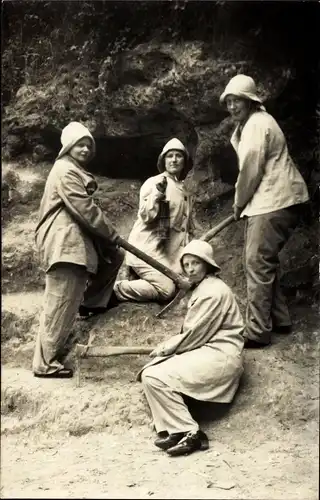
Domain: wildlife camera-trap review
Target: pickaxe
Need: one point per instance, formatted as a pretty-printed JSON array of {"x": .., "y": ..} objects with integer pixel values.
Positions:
[
  {"x": 206, "y": 237},
  {"x": 83, "y": 351},
  {"x": 182, "y": 283},
  {"x": 179, "y": 280}
]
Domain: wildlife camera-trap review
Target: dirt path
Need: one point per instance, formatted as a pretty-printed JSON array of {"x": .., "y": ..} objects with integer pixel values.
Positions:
[{"x": 127, "y": 465}]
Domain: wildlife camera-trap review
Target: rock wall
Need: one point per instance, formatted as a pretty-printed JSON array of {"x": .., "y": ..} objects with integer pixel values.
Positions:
[
  {"x": 138, "y": 73},
  {"x": 137, "y": 101}
]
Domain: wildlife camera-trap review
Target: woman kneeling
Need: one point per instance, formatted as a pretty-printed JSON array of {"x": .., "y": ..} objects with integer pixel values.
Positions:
[{"x": 203, "y": 362}]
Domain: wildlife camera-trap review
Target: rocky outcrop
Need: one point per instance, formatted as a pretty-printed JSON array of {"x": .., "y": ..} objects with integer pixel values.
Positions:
[{"x": 133, "y": 102}]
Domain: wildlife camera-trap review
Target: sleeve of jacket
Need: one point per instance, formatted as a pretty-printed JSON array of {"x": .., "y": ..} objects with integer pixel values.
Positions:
[
  {"x": 149, "y": 201},
  {"x": 206, "y": 318},
  {"x": 252, "y": 158},
  {"x": 82, "y": 206}
]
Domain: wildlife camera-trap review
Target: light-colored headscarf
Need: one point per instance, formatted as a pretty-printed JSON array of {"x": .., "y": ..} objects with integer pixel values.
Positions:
[
  {"x": 242, "y": 86},
  {"x": 201, "y": 249},
  {"x": 71, "y": 134},
  {"x": 177, "y": 145}
]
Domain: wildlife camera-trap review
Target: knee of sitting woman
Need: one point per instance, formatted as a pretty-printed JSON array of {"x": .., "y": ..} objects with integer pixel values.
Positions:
[{"x": 166, "y": 290}]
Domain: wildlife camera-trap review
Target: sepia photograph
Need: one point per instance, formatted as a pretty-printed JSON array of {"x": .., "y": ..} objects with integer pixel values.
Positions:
[{"x": 160, "y": 303}]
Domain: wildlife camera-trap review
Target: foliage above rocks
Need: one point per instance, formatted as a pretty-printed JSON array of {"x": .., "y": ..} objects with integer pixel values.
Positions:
[
  {"x": 142, "y": 72},
  {"x": 155, "y": 90}
]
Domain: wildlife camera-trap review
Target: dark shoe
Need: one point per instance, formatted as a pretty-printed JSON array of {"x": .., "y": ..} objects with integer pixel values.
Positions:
[
  {"x": 188, "y": 444},
  {"x": 113, "y": 301},
  {"x": 282, "y": 329},
  {"x": 88, "y": 312},
  {"x": 252, "y": 344},
  {"x": 63, "y": 373},
  {"x": 167, "y": 442},
  {"x": 164, "y": 439},
  {"x": 162, "y": 434},
  {"x": 204, "y": 440}
]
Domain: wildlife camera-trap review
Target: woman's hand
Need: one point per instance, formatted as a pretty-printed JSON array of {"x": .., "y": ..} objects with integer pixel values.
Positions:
[
  {"x": 162, "y": 185},
  {"x": 161, "y": 350},
  {"x": 158, "y": 351},
  {"x": 167, "y": 347},
  {"x": 237, "y": 212}
]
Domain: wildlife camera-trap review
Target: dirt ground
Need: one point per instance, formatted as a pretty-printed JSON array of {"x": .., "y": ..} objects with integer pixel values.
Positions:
[
  {"x": 126, "y": 465},
  {"x": 95, "y": 440}
]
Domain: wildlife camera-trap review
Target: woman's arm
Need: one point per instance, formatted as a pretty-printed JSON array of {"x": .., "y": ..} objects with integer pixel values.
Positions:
[
  {"x": 167, "y": 347},
  {"x": 82, "y": 206},
  {"x": 204, "y": 318},
  {"x": 252, "y": 159},
  {"x": 150, "y": 196}
]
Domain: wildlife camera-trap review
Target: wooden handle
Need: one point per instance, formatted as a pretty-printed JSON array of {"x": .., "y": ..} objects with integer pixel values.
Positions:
[
  {"x": 171, "y": 304},
  {"x": 104, "y": 351},
  {"x": 215, "y": 230},
  {"x": 179, "y": 280}
]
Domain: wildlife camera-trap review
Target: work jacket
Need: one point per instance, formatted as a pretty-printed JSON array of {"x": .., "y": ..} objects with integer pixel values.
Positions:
[
  {"x": 145, "y": 232},
  {"x": 72, "y": 227},
  {"x": 268, "y": 179}
]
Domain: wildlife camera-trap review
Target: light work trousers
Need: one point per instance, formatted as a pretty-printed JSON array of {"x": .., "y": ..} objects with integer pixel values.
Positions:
[
  {"x": 265, "y": 235},
  {"x": 169, "y": 411},
  {"x": 67, "y": 286},
  {"x": 151, "y": 285}
]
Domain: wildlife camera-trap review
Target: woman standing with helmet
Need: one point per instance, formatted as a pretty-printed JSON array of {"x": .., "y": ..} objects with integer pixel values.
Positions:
[
  {"x": 269, "y": 194},
  {"x": 163, "y": 227},
  {"x": 78, "y": 250},
  {"x": 204, "y": 361}
]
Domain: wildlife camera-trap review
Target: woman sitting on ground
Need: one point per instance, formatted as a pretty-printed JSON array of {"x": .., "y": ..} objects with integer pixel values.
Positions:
[
  {"x": 163, "y": 227},
  {"x": 203, "y": 362}
]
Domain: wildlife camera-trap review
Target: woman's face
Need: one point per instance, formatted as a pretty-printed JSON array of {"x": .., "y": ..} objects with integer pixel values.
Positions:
[
  {"x": 174, "y": 162},
  {"x": 194, "y": 267},
  {"x": 82, "y": 150},
  {"x": 240, "y": 109}
]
